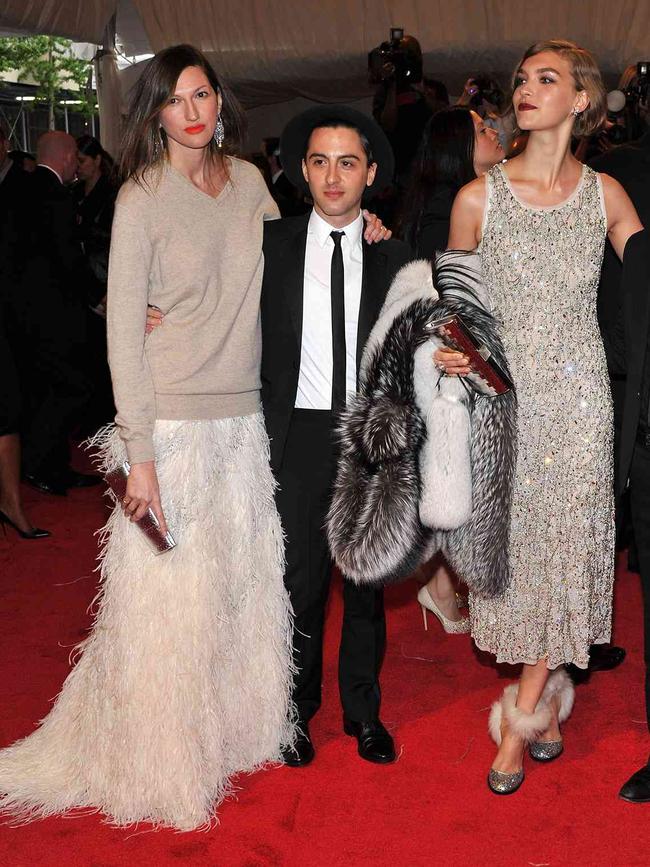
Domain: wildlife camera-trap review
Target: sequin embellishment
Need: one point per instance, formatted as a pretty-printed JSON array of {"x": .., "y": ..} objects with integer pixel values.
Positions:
[{"x": 562, "y": 526}]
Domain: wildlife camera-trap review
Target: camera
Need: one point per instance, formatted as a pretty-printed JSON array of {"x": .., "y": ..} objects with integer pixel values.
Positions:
[
  {"x": 485, "y": 89},
  {"x": 393, "y": 59},
  {"x": 637, "y": 92}
]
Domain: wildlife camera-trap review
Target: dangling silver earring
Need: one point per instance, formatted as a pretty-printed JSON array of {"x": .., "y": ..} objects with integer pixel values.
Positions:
[
  {"x": 219, "y": 132},
  {"x": 158, "y": 143}
]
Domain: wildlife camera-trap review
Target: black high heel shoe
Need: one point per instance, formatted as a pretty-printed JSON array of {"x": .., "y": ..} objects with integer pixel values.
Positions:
[{"x": 34, "y": 533}]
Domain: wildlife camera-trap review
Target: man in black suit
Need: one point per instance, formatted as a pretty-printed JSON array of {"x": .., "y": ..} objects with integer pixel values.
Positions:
[
  {"x": 52, "y": 282},
  {"x": 633, "y": 469},
  {"x": 630, "y": 165},
  {"x": 322, "y": 292},
  {"x": 624, "y": 316}
]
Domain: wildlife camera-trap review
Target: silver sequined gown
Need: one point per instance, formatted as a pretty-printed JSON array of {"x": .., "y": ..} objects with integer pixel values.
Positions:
[{"x": 541, "y": 267}]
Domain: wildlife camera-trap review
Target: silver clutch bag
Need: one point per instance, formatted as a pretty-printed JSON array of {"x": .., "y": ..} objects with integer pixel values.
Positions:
[{"x": 148, "y": 524}]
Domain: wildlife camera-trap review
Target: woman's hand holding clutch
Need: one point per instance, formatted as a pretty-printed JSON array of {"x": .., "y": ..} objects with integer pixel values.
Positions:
[
  {"x": 142, "y": 493},
  {"x": 451, "y": 362}
]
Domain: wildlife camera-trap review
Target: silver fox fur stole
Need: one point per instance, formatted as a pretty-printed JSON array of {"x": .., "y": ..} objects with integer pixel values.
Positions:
[{"x": 425, "y": 464}]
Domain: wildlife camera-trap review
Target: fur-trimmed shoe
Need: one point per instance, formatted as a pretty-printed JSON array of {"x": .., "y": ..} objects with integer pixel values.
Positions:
[
  {"x": 558, "y": 685},
  {"x": 526, "y": 726}
]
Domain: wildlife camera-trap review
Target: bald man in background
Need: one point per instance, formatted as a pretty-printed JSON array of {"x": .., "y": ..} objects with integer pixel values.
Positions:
[{"x": 51, "y": 281}]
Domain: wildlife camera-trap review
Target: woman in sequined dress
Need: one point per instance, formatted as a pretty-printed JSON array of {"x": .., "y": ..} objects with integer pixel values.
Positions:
[{"x": 540, "y": 223}]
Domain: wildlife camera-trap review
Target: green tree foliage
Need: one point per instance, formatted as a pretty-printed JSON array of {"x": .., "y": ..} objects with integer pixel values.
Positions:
[{"x": 49, "y": 62}]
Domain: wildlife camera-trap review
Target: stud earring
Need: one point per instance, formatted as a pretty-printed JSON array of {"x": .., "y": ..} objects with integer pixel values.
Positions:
[
  {"x": 575, "y": 112},
  {"x": 219, "y": 132}
]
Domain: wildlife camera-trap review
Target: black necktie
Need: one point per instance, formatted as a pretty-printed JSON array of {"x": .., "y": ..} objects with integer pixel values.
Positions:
[{"x": 337, "y": 291}]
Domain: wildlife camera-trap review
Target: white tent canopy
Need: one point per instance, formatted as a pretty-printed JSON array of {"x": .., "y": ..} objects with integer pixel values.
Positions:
[{"x": 274, "y": 51}]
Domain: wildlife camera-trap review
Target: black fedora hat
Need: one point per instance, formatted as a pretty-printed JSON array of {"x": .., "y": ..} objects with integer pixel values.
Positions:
[{"x": 294, "y": 139}]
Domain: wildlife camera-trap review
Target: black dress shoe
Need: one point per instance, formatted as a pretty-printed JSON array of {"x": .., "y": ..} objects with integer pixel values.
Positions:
[
  {"x": 73, "y": 479},
  {"x": 375, "y": 744},
  {"x": 302, "y": 752},
  {"x": 637, "y": 788},
  {"x": 602, "y": 657},
  {"x": 47, "y": 484}
]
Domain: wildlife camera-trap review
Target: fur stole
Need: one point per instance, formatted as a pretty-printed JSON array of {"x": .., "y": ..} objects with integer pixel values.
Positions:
[{"x": 425, "y": 464}]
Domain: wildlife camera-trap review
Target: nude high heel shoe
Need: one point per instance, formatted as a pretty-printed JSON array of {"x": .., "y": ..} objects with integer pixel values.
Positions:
[{"x": 453, "y": 627}]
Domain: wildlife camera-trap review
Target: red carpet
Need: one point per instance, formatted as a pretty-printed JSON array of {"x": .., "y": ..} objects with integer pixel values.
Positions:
[{"x": 431, "y": 807}]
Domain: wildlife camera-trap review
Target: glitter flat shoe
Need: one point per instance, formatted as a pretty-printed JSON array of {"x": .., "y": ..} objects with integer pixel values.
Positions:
[
  {"x": 504, "y": 784},
  {"x": 560, "y": 688},
  {"x": 453, "y": 627},
  {"x": 545, "y": 751}
]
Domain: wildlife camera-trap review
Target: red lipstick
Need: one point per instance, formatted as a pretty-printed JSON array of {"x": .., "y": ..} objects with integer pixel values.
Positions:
[
  {"x": 526, "y": 106},
  {"x": 193, "y": 130}
]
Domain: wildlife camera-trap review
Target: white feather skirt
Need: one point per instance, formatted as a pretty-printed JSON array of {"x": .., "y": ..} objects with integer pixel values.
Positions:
[{"x": 186, "y": 677}]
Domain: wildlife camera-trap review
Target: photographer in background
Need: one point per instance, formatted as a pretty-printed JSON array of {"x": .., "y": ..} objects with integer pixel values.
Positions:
[
  {"x": 399, "y": 106},
  {"x": 627, "y": 114}
]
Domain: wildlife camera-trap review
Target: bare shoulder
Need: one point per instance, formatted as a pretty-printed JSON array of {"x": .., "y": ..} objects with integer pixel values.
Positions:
[
  {"x": 618, "y": 204},
  {"x": 472, "y": 195},
  {"x": 611, "y": 187},
  {"x": 467, "y": 216}
]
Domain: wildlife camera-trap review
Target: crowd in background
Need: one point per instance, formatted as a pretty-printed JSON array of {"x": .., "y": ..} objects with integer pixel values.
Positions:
[
  {"x": 56, "y": 218},
  {"x": 56, "y": 209},
  {"x": 55, "y": 238}
]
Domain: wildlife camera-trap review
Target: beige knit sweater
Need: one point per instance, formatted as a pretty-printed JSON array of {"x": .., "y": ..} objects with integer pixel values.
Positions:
[{"x": 200, "y": 260}]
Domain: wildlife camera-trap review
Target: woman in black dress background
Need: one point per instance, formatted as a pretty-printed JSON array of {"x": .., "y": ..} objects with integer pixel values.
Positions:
[{"x": 456, "y": 147}]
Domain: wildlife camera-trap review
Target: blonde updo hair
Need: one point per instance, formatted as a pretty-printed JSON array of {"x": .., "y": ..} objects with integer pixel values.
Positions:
[{"x": 586, "y": 76}]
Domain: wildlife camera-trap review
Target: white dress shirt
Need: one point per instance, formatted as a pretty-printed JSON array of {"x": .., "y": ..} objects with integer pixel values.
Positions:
[{"x": 315, "y": 377}]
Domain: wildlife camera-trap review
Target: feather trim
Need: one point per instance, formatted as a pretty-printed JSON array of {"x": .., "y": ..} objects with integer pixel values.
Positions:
[
  {"x": 186, "y": 677},
  {"x": 560, "y": 684},
  {"x": 526, "y": 726}
]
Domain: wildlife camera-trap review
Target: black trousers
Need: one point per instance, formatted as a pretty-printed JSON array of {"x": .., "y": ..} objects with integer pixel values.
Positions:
[
  {"x": 640, "y": 515},
  {"x": 55, "y": 389},
  {"x": 305, "y": 481}
]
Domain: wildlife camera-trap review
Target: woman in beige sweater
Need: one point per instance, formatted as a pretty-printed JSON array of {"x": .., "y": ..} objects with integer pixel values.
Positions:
[{"x": 185, "y": 679}]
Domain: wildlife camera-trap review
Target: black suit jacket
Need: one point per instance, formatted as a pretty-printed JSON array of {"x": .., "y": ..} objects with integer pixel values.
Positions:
[
  {"x": 630, "y": 165},
  {"x": 53, "y": 277},
  {"x": 11, "y": 185},
  {"x": 282, "y": 309},
  {"x": 635, "y": 287}
]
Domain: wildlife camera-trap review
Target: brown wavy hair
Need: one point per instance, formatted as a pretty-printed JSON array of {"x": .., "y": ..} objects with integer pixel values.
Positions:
[
  {"x": 144, "y": 144},
  {"x": 586, "y": 76}
]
